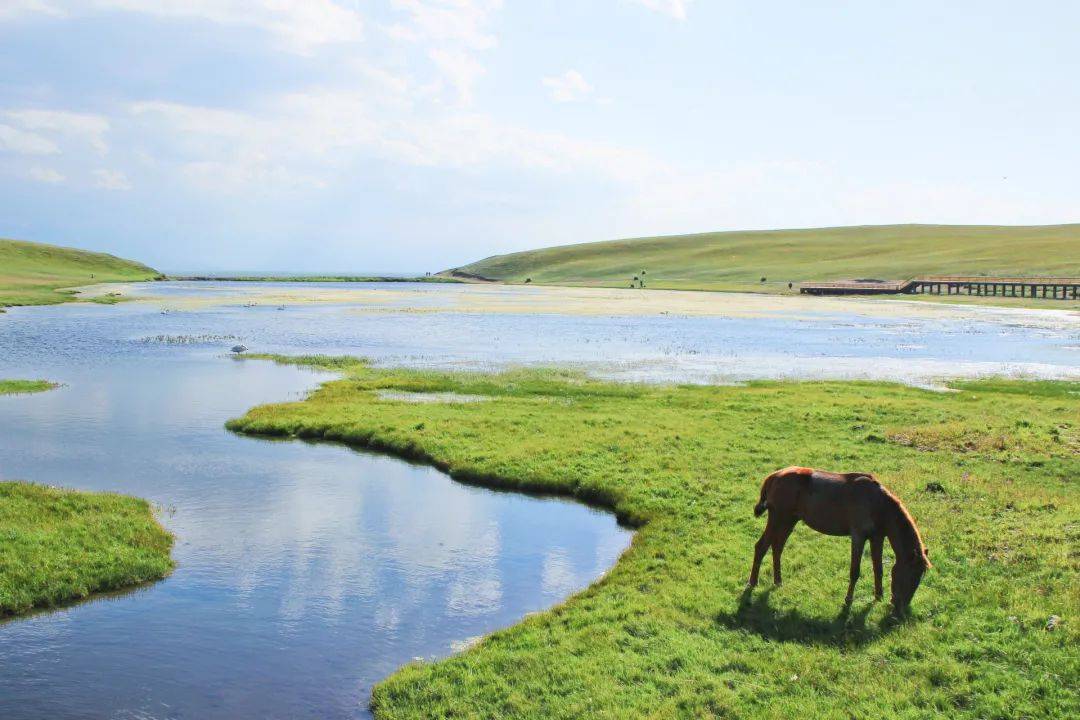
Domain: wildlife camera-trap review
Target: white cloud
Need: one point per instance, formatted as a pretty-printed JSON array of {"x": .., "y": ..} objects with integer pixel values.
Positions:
[
  {"x": 306, "y": 138},
  {"x": 111, "y": 179},
  {"x": 571, "y": 86},
  {"x": 81, "y": 127},
  {"x": 296, "y": 141},
  {"x": 46, "y": 175},
  {"x": 460, "y": 70},
  {"x": 197, "y": 120},
  {"x": 461, "y": 22},
  {"x": 10, "y": 9},
  {"x": 414, "y": 111},
  {"x": 450, "y": 34},
  {"x": 672, "y": 8},
  {"x": 21, "y": 142},
  {"x": 300, "y": 24}
]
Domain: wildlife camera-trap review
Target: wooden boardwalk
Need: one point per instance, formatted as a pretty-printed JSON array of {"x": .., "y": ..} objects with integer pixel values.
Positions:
[
  {"x": 856, "y": 287},
  {"x": 1045, "y": 287},
  {"x": 1029, "y": 287}
]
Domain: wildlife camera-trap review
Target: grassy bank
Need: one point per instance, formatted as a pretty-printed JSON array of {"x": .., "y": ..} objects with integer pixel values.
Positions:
[
  {"x": 39, "y": 274},
  {"x": 63, "y": 545},
  {"x": 13, "y": 387},
  {"x": 738, "y": 260},
  {"x": 988, "y": 472}
]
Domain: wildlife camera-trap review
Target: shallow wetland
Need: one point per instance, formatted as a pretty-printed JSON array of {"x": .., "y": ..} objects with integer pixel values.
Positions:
[{"x": 307, "y": 572}]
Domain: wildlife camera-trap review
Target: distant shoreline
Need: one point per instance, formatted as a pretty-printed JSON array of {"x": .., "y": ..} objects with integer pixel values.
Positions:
[{"x": 314, "y": 278}]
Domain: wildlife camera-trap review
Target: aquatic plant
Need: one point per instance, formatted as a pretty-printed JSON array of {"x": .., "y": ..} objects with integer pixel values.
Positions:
[
  {"x": 188, "y": 339},
  {"x": 14, "y": 387}
]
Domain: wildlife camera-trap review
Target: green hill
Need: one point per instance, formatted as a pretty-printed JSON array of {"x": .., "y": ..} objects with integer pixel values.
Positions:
[
  {"x": 36, "y": 274},
  {"x": 738, "y": 260}
]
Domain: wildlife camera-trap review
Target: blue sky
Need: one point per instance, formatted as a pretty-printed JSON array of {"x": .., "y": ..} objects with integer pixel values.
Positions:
[{"x": 413, "y": 135}]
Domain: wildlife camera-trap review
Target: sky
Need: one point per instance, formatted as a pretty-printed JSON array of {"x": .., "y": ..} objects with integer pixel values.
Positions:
[{"x": 414, "y": 135}]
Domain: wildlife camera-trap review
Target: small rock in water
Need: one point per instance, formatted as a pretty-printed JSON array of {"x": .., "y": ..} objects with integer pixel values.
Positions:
[
  {"x": 1053, "y": 622},
  {"x": 239, "y": 349}
]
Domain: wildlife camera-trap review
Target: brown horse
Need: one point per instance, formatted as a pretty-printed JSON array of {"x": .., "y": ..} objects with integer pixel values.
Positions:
[{"x": 853, "y": 504}]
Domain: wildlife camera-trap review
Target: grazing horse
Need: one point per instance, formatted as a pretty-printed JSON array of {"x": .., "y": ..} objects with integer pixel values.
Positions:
[{"x": 853, "y": 504}]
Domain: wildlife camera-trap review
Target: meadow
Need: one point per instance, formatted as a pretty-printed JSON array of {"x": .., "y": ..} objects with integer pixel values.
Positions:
[
  {"x": 987, "y": 469},
  {"x": 737, "y": 261},
  {"x": 38, "y": 274}
]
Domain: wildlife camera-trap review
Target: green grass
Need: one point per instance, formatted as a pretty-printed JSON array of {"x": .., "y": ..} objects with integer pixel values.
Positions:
[
  {"x": 669, "y": 631},
  {"x": 738, "y": 260},
  {"x": 13, "y": 387},
  {"x": 39, "y": 274},
  {"x": 57, "y": 545}
]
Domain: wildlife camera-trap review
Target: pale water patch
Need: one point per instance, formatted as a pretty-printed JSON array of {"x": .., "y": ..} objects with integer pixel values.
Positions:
[
  {"x": 538, "y": 299},
  {"x": 431, "y": 397}
]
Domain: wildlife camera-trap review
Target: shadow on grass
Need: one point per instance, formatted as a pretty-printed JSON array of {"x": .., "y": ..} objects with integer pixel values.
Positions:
[{"x": 847, "y": 629}]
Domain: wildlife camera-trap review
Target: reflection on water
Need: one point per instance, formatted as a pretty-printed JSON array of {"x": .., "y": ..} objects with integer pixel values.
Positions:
[
  {"x": 306, "y": 571},
  {"x": 309, "y": 571}
]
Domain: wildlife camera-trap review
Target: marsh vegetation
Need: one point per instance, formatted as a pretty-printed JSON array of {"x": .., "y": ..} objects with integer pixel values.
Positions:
[{"x": 64, "y": 545}]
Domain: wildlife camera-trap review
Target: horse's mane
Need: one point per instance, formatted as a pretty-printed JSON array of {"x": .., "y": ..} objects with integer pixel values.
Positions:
[{"x": 906, "y": 521}]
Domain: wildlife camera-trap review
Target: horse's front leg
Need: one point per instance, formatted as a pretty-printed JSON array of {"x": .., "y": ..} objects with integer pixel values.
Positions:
[
  {"x": 875, "y": 555},
  {"x": 858, "y": 542}
]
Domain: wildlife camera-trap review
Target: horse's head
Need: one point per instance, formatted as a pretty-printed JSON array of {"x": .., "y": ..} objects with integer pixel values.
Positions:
[{"x": 906, "y": 575}]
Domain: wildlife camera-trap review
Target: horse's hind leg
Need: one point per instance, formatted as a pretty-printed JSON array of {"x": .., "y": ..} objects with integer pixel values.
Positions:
[
  {"x": 760, "y": 547},
  {"x": 779, "y": 539},
  {"x": 858, "y": 542},
  {"x": 876, "y": 542}
]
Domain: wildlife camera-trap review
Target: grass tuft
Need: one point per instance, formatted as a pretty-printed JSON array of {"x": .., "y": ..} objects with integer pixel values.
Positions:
[
  {"x": 16, "y": 387},
  {"x": 57, "y": 546}
]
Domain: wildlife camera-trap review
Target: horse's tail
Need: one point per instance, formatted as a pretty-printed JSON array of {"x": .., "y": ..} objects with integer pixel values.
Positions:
[{"x": 762, "y": 505}]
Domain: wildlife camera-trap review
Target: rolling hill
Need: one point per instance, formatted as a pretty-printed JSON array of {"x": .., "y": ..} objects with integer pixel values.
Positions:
[
  {"x": 36, "y": 274},
  {"x": 738, "y": 260}
]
